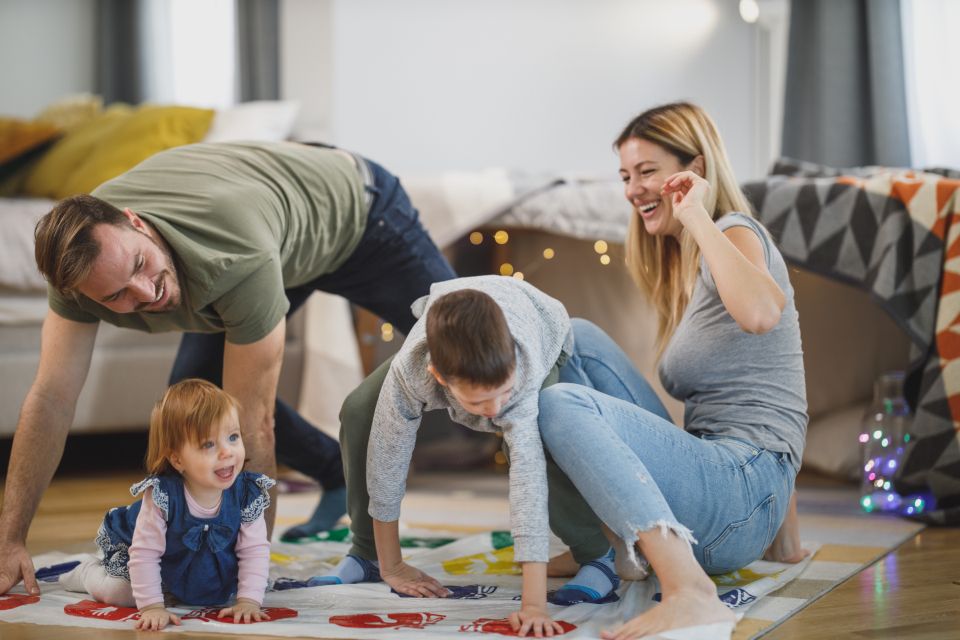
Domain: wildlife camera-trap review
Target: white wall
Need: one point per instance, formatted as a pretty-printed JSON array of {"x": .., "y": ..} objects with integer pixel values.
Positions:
[
  {"x": 427, "y": 85},
  {"x": 47, "y": 51},
  {"x": 538, "y": 85}
]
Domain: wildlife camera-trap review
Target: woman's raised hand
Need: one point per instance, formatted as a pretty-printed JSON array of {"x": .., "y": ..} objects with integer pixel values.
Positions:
[{"x": 687, "y": 192}]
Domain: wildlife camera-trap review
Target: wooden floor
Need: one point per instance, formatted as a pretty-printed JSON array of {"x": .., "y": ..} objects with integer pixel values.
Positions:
[{"x": 912, "y": 593}]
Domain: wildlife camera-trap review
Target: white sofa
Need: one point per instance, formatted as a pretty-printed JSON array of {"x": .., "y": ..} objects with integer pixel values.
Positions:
[{"x": 128, "y": 373}]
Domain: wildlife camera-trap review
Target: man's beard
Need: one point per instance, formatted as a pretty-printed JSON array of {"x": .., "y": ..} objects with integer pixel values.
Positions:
[{"x": 168, "y": 274}]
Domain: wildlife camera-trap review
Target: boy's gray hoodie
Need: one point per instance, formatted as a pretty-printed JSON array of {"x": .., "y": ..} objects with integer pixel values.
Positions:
[{"x": 541, "y": 330}]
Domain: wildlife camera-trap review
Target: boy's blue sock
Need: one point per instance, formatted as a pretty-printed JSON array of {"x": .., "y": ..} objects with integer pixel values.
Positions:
[
  {"x": 351, "y": 570},
  {"x": 595, "y": 581},
  {"x": 333, "y": 504}
]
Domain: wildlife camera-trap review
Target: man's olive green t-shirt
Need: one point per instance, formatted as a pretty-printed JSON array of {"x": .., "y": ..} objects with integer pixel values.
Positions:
[{"x": 245, "y": 221}]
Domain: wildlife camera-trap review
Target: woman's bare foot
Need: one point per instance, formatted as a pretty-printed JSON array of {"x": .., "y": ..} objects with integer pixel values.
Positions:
[
  {"x": 786, "y": 547},
  {"x": 562, "y": 566},
  {"x": 785, "y": 550},
  {"x": 688, "y": 607},
  {"x": 689, "y": 595}
]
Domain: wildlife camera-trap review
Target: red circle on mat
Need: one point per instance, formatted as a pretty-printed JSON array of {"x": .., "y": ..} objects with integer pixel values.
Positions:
[
  {"x": 14, "y": 600},
  {"x": 100, "y": 611},
  {"x": 413, "y": 620}
]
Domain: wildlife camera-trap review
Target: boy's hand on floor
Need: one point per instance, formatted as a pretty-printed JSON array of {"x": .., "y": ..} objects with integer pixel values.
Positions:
[
  {"x": 410, "y": 581},
  {"x": 536, "y": 620}
]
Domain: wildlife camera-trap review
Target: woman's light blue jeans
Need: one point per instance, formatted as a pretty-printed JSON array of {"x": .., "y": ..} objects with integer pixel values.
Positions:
[{"x": 610, "y": 434}]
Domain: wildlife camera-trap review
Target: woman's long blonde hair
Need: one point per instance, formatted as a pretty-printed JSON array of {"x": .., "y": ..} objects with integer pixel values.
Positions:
[{"x": 664, "y": 268}]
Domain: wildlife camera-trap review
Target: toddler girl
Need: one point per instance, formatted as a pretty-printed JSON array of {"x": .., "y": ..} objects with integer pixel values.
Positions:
[{"x": 198, "y": 534}]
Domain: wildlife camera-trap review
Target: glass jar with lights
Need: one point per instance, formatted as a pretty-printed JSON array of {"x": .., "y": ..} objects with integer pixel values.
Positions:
[{"x": 884, "y": 434}]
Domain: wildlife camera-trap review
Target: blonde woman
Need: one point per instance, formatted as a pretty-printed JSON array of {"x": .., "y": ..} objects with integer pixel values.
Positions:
[{"x": 711, "y": 497}]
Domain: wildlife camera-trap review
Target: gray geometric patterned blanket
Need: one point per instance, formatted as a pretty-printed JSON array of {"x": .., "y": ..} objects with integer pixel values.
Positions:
[{"x": 894, "y": 233}]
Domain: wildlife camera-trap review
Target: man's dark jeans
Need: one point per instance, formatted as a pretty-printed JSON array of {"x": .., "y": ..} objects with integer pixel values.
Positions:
[{"x": 394, "y": 264}]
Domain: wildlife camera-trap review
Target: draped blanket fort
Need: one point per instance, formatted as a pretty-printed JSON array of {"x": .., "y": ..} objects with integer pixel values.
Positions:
[{"x": 895, "y": 234}]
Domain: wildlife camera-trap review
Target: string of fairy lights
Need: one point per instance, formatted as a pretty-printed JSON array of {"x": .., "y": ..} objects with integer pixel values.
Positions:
[
  {"x": 883, "y": 453},
  {"x": 501, "y": 237},
  {"x": 884, "y": 437}
]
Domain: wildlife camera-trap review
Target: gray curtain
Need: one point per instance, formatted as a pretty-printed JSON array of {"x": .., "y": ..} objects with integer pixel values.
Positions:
[
  {"x": 845, "y": 102},
  {"x": 258, "y": 49},
  {"x": 120, "y": 54}
]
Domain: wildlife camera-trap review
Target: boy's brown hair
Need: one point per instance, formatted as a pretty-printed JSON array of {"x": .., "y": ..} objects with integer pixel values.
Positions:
[
  {"x": 186, "y": 414},
  {"x": 469, "y": 340},
  {"x": 64, "y": 246}
]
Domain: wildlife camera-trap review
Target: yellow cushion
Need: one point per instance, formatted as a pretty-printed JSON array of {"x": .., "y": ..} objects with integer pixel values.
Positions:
[
  {"x": 114, "y": 142},
  {"x": 66, "y": 156},
  {"x": 18, "y": 137}
]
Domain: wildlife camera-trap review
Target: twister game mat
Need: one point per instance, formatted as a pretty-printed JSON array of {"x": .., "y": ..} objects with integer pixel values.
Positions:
[{"x": 478, "y": 569}]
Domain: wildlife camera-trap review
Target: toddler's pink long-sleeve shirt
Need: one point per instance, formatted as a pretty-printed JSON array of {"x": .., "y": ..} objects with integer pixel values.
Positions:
[{"x": 149, "y": 543}]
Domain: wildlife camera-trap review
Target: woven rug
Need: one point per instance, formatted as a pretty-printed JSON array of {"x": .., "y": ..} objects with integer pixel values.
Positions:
[{"x": 478, "y": 567}]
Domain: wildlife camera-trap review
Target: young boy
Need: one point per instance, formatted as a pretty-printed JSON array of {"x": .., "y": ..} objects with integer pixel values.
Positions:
[{"x": 482, "y": 348}]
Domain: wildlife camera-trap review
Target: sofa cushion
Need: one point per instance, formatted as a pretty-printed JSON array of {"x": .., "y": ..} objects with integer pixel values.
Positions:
[
  {"x": 112, "y": 143},
  {"x": 18, "y": 137}
]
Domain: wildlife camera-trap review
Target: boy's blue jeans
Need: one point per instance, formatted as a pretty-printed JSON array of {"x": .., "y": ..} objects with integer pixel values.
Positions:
[
  {"x": 608, "y": 432},
  {"x": 394, "y": 264}
]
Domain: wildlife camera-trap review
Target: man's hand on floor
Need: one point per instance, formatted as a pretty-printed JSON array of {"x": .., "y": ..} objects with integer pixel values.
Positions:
[{"x": 15, "y": 562}]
